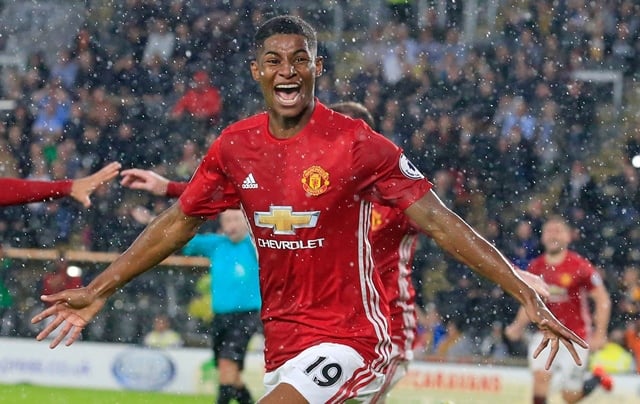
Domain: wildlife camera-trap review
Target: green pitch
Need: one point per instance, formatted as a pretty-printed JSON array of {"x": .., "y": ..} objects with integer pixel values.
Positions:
[{"x": 29, "y": 394}]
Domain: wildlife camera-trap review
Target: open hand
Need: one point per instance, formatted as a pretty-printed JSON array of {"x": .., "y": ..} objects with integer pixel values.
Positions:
[
  {"x": 82, "y": 188},
  {"x": 554, "y": 332},
  {"x": 144, "y": 180},
  {"x": 73, "y": 310}
]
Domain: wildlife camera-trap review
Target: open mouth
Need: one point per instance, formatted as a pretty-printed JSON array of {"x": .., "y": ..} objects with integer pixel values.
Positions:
[{"x": 287, "y": 94}]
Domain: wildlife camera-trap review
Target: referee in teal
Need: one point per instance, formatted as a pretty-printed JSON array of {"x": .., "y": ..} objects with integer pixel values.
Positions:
[{"x": 235, "y": 300}]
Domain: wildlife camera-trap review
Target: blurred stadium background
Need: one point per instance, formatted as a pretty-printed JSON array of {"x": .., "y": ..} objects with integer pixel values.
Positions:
[{"x": 514, "y": 109}]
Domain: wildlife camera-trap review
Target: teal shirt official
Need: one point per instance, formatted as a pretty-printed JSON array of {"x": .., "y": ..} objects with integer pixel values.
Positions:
[{"x": 234, "y": 271}]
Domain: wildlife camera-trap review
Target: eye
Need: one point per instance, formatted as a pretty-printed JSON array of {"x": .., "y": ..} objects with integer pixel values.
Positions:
[
  {"x": 272, "y": 62},
  {"x": 301, "y": 60}
]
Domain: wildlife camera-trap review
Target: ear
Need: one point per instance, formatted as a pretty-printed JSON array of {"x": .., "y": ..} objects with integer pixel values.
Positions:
[
  {"x": 255, "y": 70},
  {"x": 319, "y": 66}
]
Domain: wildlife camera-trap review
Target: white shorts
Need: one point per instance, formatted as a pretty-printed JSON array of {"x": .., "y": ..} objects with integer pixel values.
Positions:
[
  {"x": 395, "y": 371},
  {"x": 328, "y": 373},
  {"x": 570, "y": 376}
]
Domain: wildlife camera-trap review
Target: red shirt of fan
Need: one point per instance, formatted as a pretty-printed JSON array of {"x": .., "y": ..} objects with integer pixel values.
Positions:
[
  {"x": 569, "y": 285},
  {"x": 394, "y": 242},
  {"x": 308, "y": 203}
]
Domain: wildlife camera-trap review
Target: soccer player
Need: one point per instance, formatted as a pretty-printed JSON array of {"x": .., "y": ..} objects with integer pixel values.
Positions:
[
  {"x": 306, "y": 176},
  {"x": 17, "y": 191},
  {"x": 572, "y": 280}
]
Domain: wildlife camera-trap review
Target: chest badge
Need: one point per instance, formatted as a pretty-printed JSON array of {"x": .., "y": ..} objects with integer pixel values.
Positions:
[{"x": 315, "y": 180}]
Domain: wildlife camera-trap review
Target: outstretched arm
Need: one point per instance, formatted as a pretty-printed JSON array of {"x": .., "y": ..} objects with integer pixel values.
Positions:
[
  {"x": 147, "y": 180},
  {"x": 19, "y": 191},
  {"x": 457, "y": 238},
  {"x": 77, "y": 307}
]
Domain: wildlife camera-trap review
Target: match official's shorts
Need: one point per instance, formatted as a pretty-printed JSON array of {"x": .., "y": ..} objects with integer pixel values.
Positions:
[
  {"x": 328, "y": 373},
  {"x": 231, "y": 333},
  {"x": 571, "y": 376}
]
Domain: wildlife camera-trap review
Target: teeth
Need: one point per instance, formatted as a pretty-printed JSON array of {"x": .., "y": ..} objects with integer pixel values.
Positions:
[{"x": 287, "y": 86}]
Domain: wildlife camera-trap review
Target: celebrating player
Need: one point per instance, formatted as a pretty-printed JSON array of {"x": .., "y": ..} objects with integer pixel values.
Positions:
[{"x": 306, "y": 176}]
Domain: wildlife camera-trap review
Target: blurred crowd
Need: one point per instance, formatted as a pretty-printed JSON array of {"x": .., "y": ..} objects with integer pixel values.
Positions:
[{"x": 501, "y": 126}]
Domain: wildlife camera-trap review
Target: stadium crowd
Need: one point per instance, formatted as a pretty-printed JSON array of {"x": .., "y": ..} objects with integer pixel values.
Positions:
[{"x": 500, "y": 125}]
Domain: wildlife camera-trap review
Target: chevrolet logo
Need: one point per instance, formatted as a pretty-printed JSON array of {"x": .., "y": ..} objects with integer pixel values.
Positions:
[{"x": 283, "y": 220}]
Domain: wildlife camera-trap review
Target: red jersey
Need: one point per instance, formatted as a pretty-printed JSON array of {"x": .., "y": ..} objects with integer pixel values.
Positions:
[
  {"x": 17, "y": 191},
  {"x": 202, "y": 104},
  {"x": 394, "y": 242},
  {"x": 308, "y": 202},
  {"x": 569, "y": 284}
]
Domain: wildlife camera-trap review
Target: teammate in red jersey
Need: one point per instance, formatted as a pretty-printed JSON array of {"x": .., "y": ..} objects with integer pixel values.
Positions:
[
  {"x": 572, "y": 280},
  {"x": 17, "y": 191},
  {"x": 305, "y": 177}
]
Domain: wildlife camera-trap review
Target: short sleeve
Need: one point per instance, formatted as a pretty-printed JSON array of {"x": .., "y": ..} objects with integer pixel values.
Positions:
[
  {"x": 387, "y": 174},
  {"x": 209, "y": 192}
]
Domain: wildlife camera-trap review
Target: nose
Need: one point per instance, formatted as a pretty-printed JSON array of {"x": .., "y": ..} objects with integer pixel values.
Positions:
[{"x": 288, "y": 69}]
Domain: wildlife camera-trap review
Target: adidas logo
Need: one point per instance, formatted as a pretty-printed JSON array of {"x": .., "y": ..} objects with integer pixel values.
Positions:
[{"x": 249, "y": 182}]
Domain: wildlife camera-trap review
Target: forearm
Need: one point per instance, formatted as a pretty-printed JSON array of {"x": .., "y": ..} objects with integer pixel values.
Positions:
[
  {"x": 17, "y": 191},
  {"x": 601, "y": 315},
  {"x": 164, "y": 235},
  {"x": 521, "y": 320},
  {"x": 458, "y": 239}
]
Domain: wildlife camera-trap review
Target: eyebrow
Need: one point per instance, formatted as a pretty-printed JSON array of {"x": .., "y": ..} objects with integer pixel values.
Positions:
[{"x": 276, "y": 53}]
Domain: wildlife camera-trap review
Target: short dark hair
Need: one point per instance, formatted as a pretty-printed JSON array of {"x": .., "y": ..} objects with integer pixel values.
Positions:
[
  {"x": 286, "y": 24},
  {"x": 355, "y": 110}
]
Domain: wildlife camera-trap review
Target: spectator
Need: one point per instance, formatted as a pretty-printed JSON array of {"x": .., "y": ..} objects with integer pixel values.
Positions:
[
  {"x": 162, "y": 336},
  {"x": 65, "y": 69},
  {"x": 62, "y": 278},
  {"x": 160, "y": 41},
  {"x": 202, "y": 102}
]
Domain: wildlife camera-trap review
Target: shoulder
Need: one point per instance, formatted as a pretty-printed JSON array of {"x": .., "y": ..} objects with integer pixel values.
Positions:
[
  {"x": 578, "y": 259},
  {"x": 243, "y": 126},
  {"x": 342, "y": 124}
]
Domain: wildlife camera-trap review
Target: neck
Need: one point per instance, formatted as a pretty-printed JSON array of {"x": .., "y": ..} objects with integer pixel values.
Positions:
[
  {"x": 282, "y": 127},
  {"x": 555, "y": 257}
]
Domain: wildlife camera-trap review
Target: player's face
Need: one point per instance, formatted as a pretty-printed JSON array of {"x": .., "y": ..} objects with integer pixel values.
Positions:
[
  {"x": 286, "y": 70},
  {"x": 555, "y": 237}
]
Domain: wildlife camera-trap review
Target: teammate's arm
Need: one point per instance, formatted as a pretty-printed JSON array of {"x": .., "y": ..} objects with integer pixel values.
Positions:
[
  {"x": 515, "y": 330},
  {"x": 147, "y": 180},
  {"x": 601, "y": 315},
  {"x": 164, "y": 235},
  {"x": 457, "y": 238},
  {"x": 19, "y": 191},
  {"x": 536, "y": 282}
]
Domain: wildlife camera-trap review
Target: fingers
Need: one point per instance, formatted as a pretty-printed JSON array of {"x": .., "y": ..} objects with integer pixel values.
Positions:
[
  {"x": 50, "y": 328},
  {"x": 63, "y": 333},
  {"x": 108, "y": 172},
  {"x": 132, "y": 180},
  {"x": 44, "y": 313},
  {"x": 136, "y": 172},
  {"x": 573, "y": 352},
  {"x": 555, "y": 346},
  {"x": 543, "y": 344},
  {"x": 77, "y": 331}
]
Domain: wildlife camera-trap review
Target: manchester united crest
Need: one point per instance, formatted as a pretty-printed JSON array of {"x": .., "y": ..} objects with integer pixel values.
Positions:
[{"x": 315, "y": 180}]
